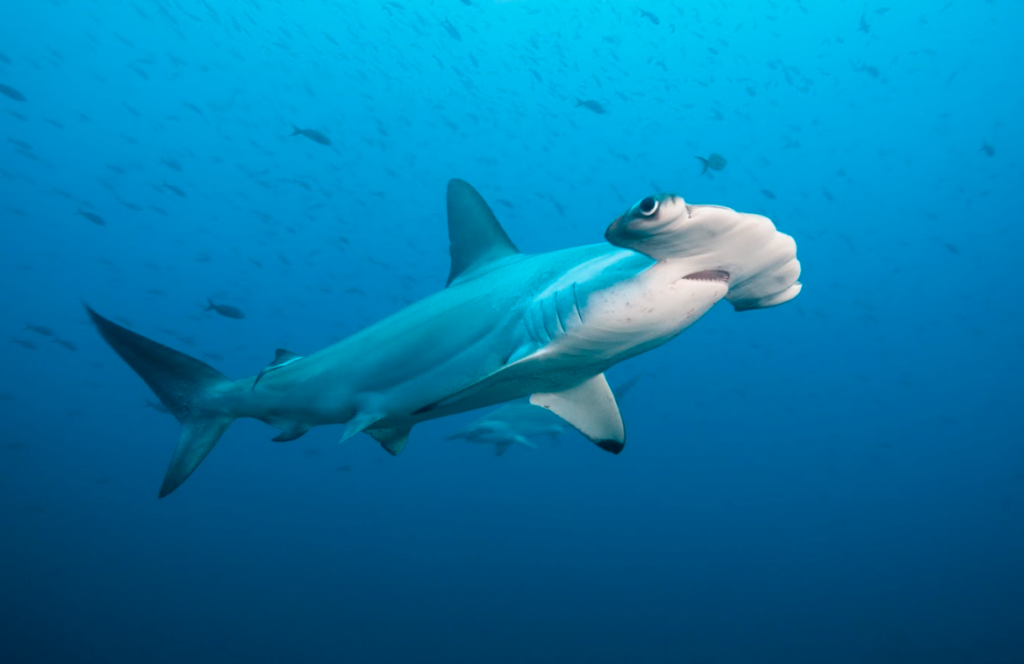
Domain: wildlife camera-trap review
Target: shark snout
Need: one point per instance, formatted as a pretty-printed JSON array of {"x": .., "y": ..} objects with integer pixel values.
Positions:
[{"x": 614, "y": 230}]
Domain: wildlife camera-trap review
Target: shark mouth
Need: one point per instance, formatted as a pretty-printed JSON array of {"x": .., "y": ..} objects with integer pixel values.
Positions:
[{"x": 709, "y": 275}]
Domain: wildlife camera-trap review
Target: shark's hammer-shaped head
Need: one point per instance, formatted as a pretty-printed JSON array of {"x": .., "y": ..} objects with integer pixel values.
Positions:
[{"x": 718, "y": 243}]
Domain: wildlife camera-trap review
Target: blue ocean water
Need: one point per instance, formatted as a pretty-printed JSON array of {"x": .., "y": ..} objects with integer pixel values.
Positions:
[{"x": 839, "y": 479}]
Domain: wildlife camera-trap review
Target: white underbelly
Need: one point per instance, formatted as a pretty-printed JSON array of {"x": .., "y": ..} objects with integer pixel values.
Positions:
[{"x": 641, "y": 313}]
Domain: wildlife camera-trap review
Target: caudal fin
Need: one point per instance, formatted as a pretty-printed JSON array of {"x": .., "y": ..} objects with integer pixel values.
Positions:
[
  {"x": 183, "y": 384},
  {"x": 704, "y": 163}
]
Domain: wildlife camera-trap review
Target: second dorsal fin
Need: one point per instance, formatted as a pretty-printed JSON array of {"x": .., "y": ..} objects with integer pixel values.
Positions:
[
  {"x": 476, "y": 237},
  {"x": 281, "y": 358}
]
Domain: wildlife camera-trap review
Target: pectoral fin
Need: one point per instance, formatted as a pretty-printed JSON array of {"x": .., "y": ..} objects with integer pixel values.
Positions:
[
  {"x": 290, "y": 431},
  {"x": 392, "y": 440},
  {"x": 502, "y": 446},
  {"x": 590, "y": 408},
  {"x": 361, "y": 422},
  {"x": 526, "y": 442},
  {"x": 515, "y": 369}
]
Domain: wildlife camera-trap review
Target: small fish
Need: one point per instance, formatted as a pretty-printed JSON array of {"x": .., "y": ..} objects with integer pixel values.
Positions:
[
  {"x": 225, "y": 310},
  {"x": 311, "y": 134},
  {"x": 40, "y": 330},
  {"x": 66, "y": 344},
  {"x": 715, "y": 162},
  {"x": 871, "y": 71},
  {"x": 768, "y": 193},
  {"x": 988, "y": 149},
  {"x": 24, "y": 343},
  {"x": 452, "y": 32},
  {"x": 648, "y": 15},
  {"x": 62, "y": 193},
  {"x": 176, "y": 190},
  {"x": 864, "y": 27},
  {"x": 92, "y": 216},
  {"x": 591, "y": 105},
  {"x": 8, "y": 91},
  {"x": 171, "y": 164},
  {"x": 21, "y": 144}
]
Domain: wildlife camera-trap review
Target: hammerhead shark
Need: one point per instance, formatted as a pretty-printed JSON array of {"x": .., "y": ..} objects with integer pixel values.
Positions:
[{"x": 508, "y": 325}]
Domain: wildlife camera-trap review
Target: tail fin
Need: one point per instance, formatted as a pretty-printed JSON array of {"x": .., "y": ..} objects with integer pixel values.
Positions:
[
  {"x": 182, "y": 384},
  {"x": 295, "y": 131},
  {"x": 704, "y": 165}
]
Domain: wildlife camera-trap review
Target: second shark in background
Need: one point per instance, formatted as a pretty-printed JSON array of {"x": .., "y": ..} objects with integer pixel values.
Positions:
[{"x": 520, "y": 421}]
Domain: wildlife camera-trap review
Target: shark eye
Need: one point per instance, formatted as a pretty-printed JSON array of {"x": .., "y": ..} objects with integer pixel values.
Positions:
[{"x": 648, "y": 206}]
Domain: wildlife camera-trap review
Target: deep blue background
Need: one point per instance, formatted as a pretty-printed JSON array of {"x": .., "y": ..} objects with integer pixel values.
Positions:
[{"x": 837, "y": 480}]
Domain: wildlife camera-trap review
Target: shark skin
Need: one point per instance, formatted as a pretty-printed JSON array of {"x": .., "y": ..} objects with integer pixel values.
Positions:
[{"x": 508, "y": 326}]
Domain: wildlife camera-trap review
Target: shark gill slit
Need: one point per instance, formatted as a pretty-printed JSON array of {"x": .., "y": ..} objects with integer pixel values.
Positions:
[{"x": 576, "y": 304}]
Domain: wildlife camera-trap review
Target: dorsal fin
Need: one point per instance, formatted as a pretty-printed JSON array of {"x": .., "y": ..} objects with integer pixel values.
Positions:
[
  {"x": 281, "y": 358},
  {"x": 476, "y": 237}
]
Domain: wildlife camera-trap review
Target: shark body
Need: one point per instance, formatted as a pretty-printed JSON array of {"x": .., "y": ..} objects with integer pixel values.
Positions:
[
  {"x": 508, "y": 325},
  {"x": 514, "y": 423}
]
